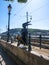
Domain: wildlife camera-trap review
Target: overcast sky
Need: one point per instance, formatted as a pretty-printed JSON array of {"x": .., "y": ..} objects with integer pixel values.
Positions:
[{"x": 37, "y": 9}]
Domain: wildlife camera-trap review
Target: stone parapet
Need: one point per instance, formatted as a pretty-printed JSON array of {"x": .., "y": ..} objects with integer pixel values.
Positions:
[{"x": 23, "y": 57}]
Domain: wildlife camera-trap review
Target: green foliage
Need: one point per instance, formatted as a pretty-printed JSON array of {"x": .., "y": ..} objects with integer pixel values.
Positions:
[
  {"x": 22, "y": 1},
  {"x": 8, "y": 0},
  {"x": 32, "y": 31}
]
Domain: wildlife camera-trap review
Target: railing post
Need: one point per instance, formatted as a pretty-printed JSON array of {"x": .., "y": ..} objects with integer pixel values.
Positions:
[
  {"x": 29, "y": 44},
  {"x": 40, "y": 40}
]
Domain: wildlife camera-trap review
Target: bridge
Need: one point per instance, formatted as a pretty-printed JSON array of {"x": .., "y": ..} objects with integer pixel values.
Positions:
[{"x": 10, "y": 54}]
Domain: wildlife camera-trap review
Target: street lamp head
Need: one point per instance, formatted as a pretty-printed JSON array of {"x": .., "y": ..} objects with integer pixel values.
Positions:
[
  {"x": 30, "y": 17},
  {"x": 9, "y": 7}
]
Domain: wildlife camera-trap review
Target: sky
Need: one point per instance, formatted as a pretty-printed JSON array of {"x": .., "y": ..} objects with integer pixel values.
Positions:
[{"x": 37, "y": 9}]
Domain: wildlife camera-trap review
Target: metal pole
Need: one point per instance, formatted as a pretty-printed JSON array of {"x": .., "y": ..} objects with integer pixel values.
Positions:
[
  {"x": 27, "y": 25},
  {"x": 8, "y": 34},
  {"x": 27, "y": 18}
]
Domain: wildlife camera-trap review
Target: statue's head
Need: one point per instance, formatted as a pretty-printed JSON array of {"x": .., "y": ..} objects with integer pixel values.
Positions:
[{"x": 25, "y": 24}]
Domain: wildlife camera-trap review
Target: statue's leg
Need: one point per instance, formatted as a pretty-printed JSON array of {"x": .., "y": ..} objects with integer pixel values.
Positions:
[{"x": 18, "y": 43}]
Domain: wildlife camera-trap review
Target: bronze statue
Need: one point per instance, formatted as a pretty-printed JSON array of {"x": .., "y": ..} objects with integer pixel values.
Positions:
[{"x": 24, "y": 34}]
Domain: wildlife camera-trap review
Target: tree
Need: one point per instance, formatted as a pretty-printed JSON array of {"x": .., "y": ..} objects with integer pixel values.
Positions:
[
  {"x": 9, "y": 0},
  {"x": 22, "y": 1}
]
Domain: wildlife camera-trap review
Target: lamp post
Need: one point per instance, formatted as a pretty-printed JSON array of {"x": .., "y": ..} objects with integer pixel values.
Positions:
[{"x": 9, "y": 10}]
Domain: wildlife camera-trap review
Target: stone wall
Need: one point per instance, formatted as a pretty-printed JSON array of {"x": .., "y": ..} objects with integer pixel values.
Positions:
[{"x": 23, "y": 57}]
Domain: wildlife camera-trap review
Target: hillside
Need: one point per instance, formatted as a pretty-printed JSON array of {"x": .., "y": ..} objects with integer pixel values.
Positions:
[
  {"x": 12, "y": 31},
  {"x": 32, "y": 31}
]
